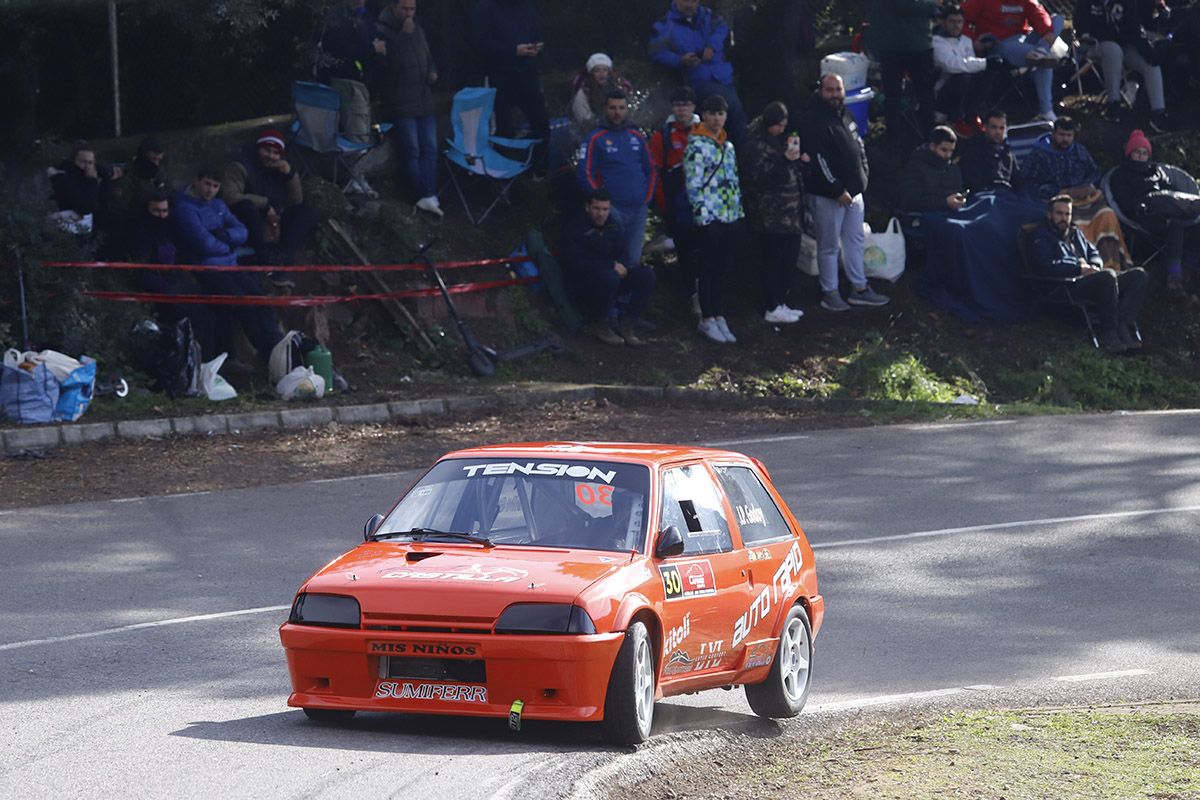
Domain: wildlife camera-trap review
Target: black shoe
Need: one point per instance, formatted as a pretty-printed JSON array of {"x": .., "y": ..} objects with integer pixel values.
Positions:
[
  {"x": 1112, "y": 342},
  {"x": 1113, "y": 111},
  {"x": 1159, "y": 122},
  {"x": 1128, "y": 337}
]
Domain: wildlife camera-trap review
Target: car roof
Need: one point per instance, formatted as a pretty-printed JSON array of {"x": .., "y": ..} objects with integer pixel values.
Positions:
[{"x": 649, "y": 454}]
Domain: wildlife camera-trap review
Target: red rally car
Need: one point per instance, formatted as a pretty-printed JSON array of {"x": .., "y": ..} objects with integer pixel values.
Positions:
[{"x": 564, "y": 581}]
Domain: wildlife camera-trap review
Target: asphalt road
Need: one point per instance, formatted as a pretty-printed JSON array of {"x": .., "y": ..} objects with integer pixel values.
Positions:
[{"x": 968, "y": 563}]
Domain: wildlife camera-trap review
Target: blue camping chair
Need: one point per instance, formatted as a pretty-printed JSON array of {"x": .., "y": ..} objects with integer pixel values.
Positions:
[
  {"x": 317, "y": 129},
  {"x": 473, "y": 152}
]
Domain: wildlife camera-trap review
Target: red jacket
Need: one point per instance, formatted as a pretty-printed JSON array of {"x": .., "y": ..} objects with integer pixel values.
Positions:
[
  {"x": 674, "y": 152},
  {"x": 1005, "y": 18}
]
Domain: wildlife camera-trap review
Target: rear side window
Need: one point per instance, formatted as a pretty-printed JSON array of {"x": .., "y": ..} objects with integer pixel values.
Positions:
[
  {"x": 758, "y": 518},
  {"x": 692, "y": 504}
]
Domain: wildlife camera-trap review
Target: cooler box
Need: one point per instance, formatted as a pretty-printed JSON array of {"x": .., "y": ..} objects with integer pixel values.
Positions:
[
  {"x": 858, "y": 103},
  {"x": 851, "y": 66}
]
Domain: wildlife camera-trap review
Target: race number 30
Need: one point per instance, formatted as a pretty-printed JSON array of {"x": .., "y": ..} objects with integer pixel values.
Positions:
[{"x": 672, "y": 582}]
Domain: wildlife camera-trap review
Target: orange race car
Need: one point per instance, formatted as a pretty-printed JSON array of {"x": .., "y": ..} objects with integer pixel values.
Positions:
[{"x": 565, "y": 582}]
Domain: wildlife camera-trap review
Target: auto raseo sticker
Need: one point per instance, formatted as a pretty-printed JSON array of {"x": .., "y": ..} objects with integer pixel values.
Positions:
[
  {"x": 783, "y": 584},
  {"x": 688, "y": 580},
  {"x": 447, "y": 692},
  {"x": 472, "y": 573},
  {"x": 760, "y": 655}
]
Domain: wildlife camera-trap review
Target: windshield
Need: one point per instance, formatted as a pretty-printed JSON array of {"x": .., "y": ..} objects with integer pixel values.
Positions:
[{"x": 594, "y": 505}]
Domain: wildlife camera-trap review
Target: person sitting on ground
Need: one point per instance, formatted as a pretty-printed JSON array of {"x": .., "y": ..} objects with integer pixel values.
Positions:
[
  {"x": 1058, "y": 249},
  {"x": 691, "y": 38},
  {"x": 1022, "y": 33},
  {"x": 931, "y": 181},
  {"x": 593, "y": 249},
  {"x": 667, "y": 147},
  {"x": 410, "y": 74},
  {"x": 263, "y": 190},
  {"x": 988, "y": 162},
  {"x": 774, "y": 197},
  {"x": 590, "y": 89},
  {"x": 209, "y": 234},
  {"x": 835, "y": 187},
  {"x": 79, "y": 184},
  {"x": 1155, "y": 199},
  {"x": 354, "y": 48},
  {"x": 962, "y": 81},
  {"x": 1058, "y": 164},
  {"x": 715, "y": 194},
  {"x": 1117, "y": 32},
  {"x": 616, "y": 157}
]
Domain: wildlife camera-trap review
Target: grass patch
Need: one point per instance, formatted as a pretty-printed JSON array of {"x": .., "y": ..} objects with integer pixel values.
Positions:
[{"x": 1017, "y": 755}]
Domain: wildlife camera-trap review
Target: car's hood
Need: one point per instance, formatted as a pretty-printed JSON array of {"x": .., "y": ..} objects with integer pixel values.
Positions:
[{"x": 404, "y": 583}]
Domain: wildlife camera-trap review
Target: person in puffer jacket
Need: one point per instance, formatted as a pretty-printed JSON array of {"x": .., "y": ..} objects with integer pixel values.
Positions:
[
  {"x": 1023, "y": 32},
  {"x": 711, "y": 176}
]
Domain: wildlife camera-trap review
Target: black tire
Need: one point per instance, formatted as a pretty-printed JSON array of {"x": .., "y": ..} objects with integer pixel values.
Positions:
[
  {"x": 628, "y": 710},
  {"x": 781, "y": 696},
  {"x": 329, "y": 716}
]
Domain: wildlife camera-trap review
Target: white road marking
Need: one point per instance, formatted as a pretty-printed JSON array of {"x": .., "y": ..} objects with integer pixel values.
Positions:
[
  {"x": 162, "y": 623},
  {"x": 995, "y": 526},
  {"x": 371, "y": 477},
  {"x": 881, "y": 700},
  {"x": 1101, "y": 676},
  {"x": 944, "y": 426},
  {"x": 794, "y": 437}
]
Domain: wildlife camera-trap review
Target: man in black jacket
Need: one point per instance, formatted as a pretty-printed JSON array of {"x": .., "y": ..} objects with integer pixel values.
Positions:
[
  {"x": 1116, "y": 30},
  {"x": 508, "y": 36},
  {"x": 930, "y": 181},
  {"x": 987, "y": 161},
  {"x": 353, "y": 45},
  {"x": 835, "y": 189},
  {"x": 593, "y": 248},
  {"x": 1058, "y": 249}
]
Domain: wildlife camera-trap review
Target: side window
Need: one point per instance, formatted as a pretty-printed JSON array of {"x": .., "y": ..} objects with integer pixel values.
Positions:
[
  {"x": 757, "y": 516},
  {"x": 692, "y": 504}
]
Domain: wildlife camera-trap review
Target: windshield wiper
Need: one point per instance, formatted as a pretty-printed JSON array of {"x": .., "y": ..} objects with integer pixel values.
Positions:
[{"x": 427, "y": 534}]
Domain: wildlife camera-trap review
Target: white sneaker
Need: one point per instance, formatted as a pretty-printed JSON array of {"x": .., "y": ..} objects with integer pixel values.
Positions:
[
  {"x": 797, "y": 313},
  {"x": 431, "y": 205},
  {"x": 695, "y": 304},
  {"x": 712, "y": 330},
  {"x": 724, "y": 327},
  {"x": 781, "y": 315}
]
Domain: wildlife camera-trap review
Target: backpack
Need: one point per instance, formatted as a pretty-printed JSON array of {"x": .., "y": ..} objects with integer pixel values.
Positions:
[{"x": 171, "y": 358}]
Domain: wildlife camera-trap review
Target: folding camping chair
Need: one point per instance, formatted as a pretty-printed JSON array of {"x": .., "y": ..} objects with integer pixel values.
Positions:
[
  {"x": 1133, "y": 231},
  {"x": 317, "y": 129},
  {"x": 1052, "y": 291},
  {"x": 473, "y": 148}
]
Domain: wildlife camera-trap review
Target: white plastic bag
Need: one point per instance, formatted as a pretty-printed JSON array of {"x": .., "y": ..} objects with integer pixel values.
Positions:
[
  {"x": 280, "y": 363},
  {"x": 60, "y": 364},
  {"x": 301, "y": 383},
  {"x": 808, "y": 256},
  {"x": 883, "y": 252},
  {"x": 212, "y": 384}
]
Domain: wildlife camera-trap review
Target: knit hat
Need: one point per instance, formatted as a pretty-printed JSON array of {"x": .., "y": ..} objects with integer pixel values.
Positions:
[
  {"x": 598, "y": 60},
  {"x": 1137, "y": 139},
  {"x": 271, "y": 139}
]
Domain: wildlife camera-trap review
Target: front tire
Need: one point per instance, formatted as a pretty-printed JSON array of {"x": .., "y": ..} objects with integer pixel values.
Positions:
[
  {"x": 785, "y": 691},
  {"x": 629, "y": 705},
  {"x": 329, "y": 716}
]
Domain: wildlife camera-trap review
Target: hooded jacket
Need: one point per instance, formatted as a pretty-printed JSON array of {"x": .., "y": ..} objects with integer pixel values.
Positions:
[
  {"x": 711, "y": 177},
  {"x": 1005, "y": 18},
  {"x": 987, "y": 165},
  {"x": 771, "y": 186},
  {"x": 619, "y": 160},
  {"x": 498, "y": 26},
  {"x": 206, "y": 232},
  {"x": 407, "y": 68},
  {"x": 831, "y": 138},
  {"x": 900, "y": 26},
  {"x": 1047, "y": 171},
  {"x": 1055, "y": 256},
  {"x": 927, "y": 181},
  {"x": 675, "y": 36}
]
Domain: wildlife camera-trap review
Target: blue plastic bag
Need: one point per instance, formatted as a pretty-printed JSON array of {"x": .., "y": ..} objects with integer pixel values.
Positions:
[
  {"x": 75, "y": 393},
  {"x": 526, "y": 268},
  {"x": 27, "y": 396}
]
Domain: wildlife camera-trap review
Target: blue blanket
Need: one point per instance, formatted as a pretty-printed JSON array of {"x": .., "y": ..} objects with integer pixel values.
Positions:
[{"x": 972, "y": 267}]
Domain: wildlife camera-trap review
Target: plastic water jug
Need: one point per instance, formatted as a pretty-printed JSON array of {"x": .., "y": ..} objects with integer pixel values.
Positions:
[{"x": 321, "y": 361}]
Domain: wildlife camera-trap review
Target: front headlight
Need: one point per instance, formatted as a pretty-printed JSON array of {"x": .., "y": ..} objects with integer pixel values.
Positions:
[
  {"x": 545, "y": 618},
  {"x": 331, "y": 610}
]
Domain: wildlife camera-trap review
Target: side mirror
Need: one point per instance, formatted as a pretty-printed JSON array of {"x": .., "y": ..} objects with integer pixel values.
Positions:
[
  {"x": 669, "y": 544},
  {"x": 372, "y": 525}
]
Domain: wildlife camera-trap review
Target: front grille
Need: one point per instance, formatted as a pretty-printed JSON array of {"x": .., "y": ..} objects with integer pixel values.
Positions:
[
  {"x": 436, "y": 669},
  {"x": 431, "y": 629}
]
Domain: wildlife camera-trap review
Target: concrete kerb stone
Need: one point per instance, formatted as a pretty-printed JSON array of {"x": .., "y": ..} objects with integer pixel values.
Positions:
[
  {"x": 625, "y": 393},
  {"x": 42, "y": 438},
  {"x": 143, "y": 428},
  {"x": 205, "y": 425},
  {"x": 252, "y": 420},
  {"x": 89, "y": 432},
  {"x": 362, "y": 415},
  {"x": 418, "y": 408},
  {"x": 472, "y": 403},
  {"x": 306, "y": 417}
]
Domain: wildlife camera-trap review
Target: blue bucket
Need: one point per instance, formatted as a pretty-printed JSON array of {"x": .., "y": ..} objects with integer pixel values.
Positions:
[{"x": 858, "y": 103}]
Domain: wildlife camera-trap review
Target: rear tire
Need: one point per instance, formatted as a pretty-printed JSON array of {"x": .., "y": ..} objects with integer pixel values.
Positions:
[
  {"x": 329, "y": 716},
  {"x": 785, "y": 691},
  {"x": 629, "y": 705}
]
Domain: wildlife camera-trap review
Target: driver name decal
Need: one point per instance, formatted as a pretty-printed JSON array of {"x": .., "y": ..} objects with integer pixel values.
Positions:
[
  {"x": 447, "y": 692},
  {"x": 531, "y": 468},
  {"x": 475, "y": 573}
]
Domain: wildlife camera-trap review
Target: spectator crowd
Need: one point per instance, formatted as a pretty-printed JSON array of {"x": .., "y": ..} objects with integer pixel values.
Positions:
[{"x": 721, "y": 182}]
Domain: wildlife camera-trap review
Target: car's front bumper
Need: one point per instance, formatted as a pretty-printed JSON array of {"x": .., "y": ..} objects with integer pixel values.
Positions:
[{"x": 557, "y": 677}]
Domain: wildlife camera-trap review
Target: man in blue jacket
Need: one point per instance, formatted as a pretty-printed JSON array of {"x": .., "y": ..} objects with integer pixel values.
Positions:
[
  {"x": 616, "y": 157},
  {"x": 1058, "y": 249},
  {"x": 691, "y": 39},
  {"x": 508, "y": 36},
  {"x": 209, "y": 234},
  {"x": 592, "y": 249}
]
